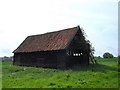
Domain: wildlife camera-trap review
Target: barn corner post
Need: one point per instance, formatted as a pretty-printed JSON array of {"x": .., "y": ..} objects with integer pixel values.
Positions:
[
  {"x": 15, "y": 62},
  {"x": 86, "y": 55},
  {"x": 61, "y": 59},
  {"x": 16, "y": 59}
]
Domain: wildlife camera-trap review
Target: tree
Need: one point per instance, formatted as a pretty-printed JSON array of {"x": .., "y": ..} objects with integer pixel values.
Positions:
[
  {"x": 99, "y": 57},
  {"x": 107, "y": 55}
]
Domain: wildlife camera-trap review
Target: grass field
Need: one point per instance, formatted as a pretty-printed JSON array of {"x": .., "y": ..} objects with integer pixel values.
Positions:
[{"x": 101, "y": 75}]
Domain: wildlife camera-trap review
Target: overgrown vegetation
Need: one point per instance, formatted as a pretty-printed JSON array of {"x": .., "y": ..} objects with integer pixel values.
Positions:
[{"x": 101, "y": 75}]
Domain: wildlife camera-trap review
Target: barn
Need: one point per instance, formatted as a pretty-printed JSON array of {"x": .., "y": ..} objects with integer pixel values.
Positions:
[{"x": 59, "y": 49}]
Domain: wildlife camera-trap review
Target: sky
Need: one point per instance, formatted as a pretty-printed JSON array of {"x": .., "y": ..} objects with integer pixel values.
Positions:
[{"x": 22, "y": 18}]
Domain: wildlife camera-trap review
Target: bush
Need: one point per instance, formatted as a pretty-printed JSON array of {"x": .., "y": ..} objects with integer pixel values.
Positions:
[{"x": 107, "y": 55}]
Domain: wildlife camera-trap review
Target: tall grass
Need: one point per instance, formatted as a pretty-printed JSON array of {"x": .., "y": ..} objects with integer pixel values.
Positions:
[{"x": 101, "y": 75}]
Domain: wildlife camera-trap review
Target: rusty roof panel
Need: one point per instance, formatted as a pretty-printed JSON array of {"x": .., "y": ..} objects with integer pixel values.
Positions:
[{"x": 48, "y": 41}]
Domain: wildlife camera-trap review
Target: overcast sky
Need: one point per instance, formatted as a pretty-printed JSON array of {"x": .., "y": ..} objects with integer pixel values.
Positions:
[{"x": 21, "y": 18}]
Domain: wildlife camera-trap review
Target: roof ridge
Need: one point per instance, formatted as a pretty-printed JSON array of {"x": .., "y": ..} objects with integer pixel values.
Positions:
[{"x": 55, "y": 31}]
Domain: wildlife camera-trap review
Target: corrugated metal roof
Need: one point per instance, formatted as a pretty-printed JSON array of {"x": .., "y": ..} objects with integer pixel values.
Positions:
[{"x": 49, "y": 41}]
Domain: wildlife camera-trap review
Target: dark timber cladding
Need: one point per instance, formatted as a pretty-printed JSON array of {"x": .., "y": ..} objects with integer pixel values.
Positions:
[{"x": 59, "y": 49}]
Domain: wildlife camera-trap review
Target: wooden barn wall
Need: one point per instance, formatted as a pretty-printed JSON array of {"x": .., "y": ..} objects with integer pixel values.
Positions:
[
  {"x": 78, "y": 45},
  {"x": 54, "y": 59}
]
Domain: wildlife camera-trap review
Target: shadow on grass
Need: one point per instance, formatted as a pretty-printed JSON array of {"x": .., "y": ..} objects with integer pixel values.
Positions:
[
  {"x": 94, "y": 68},
  {"x": 91, "y": 67}
]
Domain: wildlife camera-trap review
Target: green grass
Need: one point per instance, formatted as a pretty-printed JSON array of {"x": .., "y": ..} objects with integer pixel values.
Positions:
[{"x": 101, "y": 75}]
